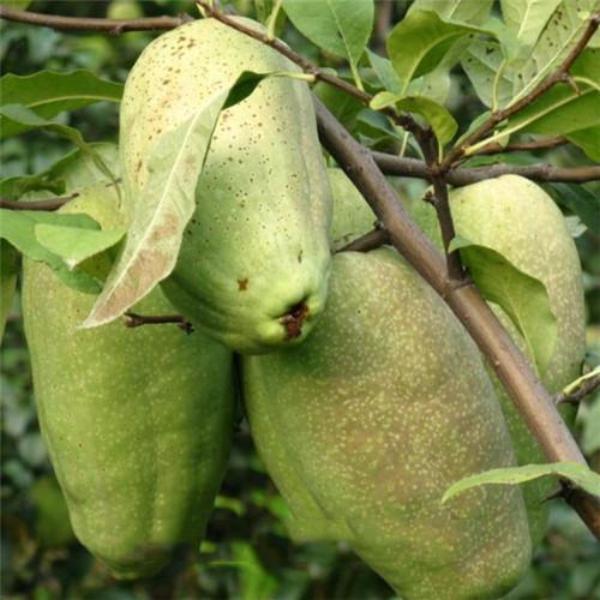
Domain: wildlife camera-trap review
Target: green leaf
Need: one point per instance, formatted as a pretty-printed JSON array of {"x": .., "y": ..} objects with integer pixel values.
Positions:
[
  {"x": 246, "y": 83},
  {"x": 462, "y": 11},
  {"x": 483, "y": 64},
  {"x": 232, "y": 504},
  {"x": 580, "y": 475},
  {"x": 580, "y": 201},
  {"x": 256, "y": 583},
  {"x": 522, "y": 297},
  {"x": 154, "y": 237},
  {"x": 561, "y": 33},
  {"x": 419, "y": 43},
  {"x": 263, "y": 9},
  {"x": 588, "y": 140},
  {"x": 48, "y": 93},
  {"x": 81, "y": 169},
  {"x": 434, "y": 85},
  {"x": 562, "y": 109},
  {"x": 18, "y": 4},
  {"x": 441, "y": 121},
  {"x": 342, "y": 27},
  {"x": 344, "y": 107},
  {"x": 21, "y": 115},
  {"x": 375, "y": 124},
  {"x": 12, "y": 188},
  {"x": 17, "y": 227},
  {"x": 385, "y": 72},
  {"x": 527, "y": 18},
  {"x": 76, "y": 245},
  {"x": 589, "y": 416},
  {"x": 9, "y": 264},
  {"x": 73, "y": 171}
]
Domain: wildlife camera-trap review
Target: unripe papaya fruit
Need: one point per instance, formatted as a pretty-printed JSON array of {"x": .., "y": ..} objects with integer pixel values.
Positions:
[
  {"x": 254, "y": 262},
  {"x": 382, "y": 408},
  {"x": 137, "y": 421},
  {"x": 519, "y": 220}
]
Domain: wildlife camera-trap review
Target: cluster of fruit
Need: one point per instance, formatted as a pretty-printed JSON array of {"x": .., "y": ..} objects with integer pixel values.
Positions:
[{"x": 365, "y": 396}]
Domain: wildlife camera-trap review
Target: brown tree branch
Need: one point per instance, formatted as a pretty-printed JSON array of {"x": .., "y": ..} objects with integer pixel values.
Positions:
[
  {"x": 369, "y": 241},
  {"x": 441, "y": 202},
  {"x": 391, "y": 164},
  {"x": 559, "y": 75},
  {"x": 530, "y": 397},
  {"x": 544, "y": 144},
  {"x": 50, "y": 204},
  {"x": 111, "y": 26},
  {"x": 133, "y": 320}
]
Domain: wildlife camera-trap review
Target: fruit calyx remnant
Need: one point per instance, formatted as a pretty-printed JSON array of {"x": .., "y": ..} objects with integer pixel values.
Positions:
[{"x": 293, "y": 320}]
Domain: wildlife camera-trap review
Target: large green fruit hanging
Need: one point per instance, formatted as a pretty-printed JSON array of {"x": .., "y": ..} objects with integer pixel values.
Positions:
[
  {"x": 137, "y": 421},
  {"x": 379, "y": 412},
  {"x": 254, "y": 261},
  {"x": 519, "y": 220}
]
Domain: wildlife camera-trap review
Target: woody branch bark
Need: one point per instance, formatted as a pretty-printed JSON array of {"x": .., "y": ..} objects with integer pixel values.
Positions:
[
  {"x": 530, "y": 397},
  {"x": 391, "y": 164},
  {"x": 112, "y": 26}
]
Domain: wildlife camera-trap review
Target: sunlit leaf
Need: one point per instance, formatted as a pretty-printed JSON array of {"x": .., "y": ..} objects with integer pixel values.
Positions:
[
  {"x": 342, "y": 27},
  {"x": 154, "y": 238},
  {"x": 76, "y": 245},
  {"x": 48, "y": 93},
  {"x": 17, "y": 227},
  {"x": 581, "y": 475},
  {"x": 474, "y": 12},
  {"x": 419, "y": 43}
]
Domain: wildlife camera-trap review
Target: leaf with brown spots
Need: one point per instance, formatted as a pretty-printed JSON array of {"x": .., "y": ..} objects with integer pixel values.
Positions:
[{"x": 159, "y": 221}]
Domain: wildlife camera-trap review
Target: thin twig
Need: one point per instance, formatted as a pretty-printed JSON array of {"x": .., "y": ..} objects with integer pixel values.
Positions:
[
  {"x": 530, "y": 397},
  {"x": 561, "y": 74},
  {"x": 50, "y": 204},
  {"x": 585, "y": 388},
  {"x": 441, "y": 203},
  {"x": 136, "y": 320},
  {"x": 111, "y": 26},
  {"x": 544, "y": 144},
  {"x": 391, "y": 164},
  {"x": 369, "y": 241}
]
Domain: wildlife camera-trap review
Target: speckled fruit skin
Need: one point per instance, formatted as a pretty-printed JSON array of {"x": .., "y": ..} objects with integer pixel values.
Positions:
[
  {"x": 256, "y": 246},
  {"x": 137, "y": 421},
  {"x": 383, "y": 407},
  {"x": 519, "y": 220}
]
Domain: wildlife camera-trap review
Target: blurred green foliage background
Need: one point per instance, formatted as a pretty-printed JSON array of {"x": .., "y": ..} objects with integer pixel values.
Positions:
[{"x": 247, "y": 553}]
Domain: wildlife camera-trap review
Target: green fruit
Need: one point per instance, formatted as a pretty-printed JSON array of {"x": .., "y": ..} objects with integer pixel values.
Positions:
[
  {"x": 383, "y": 407},
  {"x": 254, "y": 262},
  {"x": 352, "y": 216},
  {"x": 137, "y": 421},
  {"x": 519, "y": 220}
]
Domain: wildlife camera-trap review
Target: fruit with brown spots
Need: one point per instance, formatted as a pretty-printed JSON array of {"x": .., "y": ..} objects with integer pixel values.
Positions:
[{"x": 263, "y": 198}]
